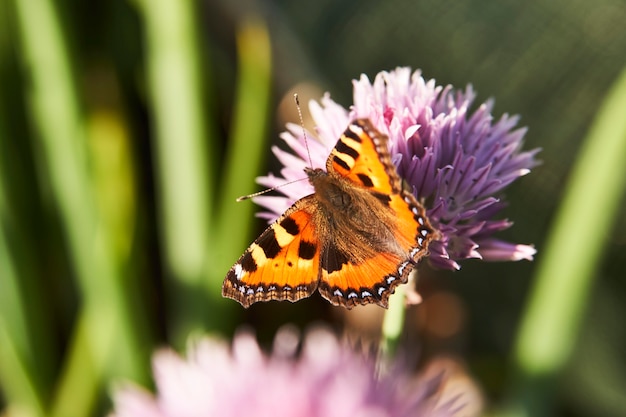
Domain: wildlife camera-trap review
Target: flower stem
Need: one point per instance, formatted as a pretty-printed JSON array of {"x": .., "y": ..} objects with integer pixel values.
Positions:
[{"x": 393, "y": 323}]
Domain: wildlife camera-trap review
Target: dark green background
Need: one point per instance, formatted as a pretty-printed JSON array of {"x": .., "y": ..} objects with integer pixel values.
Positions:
[{"x": 551, "y": 62}]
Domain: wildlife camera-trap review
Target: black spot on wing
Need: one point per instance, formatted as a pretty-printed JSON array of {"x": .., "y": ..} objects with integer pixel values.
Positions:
[
  {"x": 383, "y": 198},
  {"x": 306, "y": 250},
  {"x": 267, "y": 241},
  {"x": 290, "y": 226},
  {"x": 365, "y": 180},
  {"x": 247, "y": 262},
  {"x": 333, "y": 260},
  {"x": 350, "y": 134},
  {"x": 341, "y": 163},
  {"x": 345, "y": 149}
]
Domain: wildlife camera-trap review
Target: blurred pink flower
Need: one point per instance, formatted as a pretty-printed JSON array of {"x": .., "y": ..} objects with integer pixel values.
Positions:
[
  {"x": 327, "y": 379},
  {"x": 457, "y": 162}
]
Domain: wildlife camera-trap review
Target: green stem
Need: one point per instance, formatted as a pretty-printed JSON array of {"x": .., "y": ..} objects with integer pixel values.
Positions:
[
  {"x": 247, "y": 146},
  {"x": 393, "y": 323},
  {"x": 573, "y": 250},
  {"x": 185, "y": 164},
  {"x": 65, "y": 165},
  {"x": 17, "y": 380},
  {"x": 80, "y": 371},
  {"x": 25, "y": 373}
]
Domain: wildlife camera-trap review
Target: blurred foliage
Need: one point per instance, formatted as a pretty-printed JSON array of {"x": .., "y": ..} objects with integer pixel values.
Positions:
[{"x": 128, "y": 127}]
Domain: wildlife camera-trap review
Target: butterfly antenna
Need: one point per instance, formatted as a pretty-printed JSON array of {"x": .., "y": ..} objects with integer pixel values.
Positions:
[
  {"x": 267, "y": 190},
  {"x": 306, "y": 142}
]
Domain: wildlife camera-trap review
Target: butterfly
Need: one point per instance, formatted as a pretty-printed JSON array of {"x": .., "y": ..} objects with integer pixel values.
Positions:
[{"x": 355, "y": 239}]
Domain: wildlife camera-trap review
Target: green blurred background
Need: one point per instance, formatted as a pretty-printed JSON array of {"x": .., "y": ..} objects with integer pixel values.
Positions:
[{"x": 128, "y": 128}]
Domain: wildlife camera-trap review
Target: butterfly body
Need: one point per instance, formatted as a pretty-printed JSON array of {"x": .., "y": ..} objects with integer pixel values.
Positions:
[
  {"x": 355, "y": 239},
  {"x": 344, "y": 210}
]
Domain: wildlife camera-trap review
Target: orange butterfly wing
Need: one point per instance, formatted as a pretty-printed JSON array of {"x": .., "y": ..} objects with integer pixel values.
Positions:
[
  {"x": 361, "y": 157},
  {"x": 282, "y": 264}
]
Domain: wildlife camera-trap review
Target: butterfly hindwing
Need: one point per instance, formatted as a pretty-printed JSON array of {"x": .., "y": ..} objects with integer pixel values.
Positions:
[
  {"x": 282, "y": 263},
  {"x": 355, "y": 284},
  {"x": 348, "y": 283}
]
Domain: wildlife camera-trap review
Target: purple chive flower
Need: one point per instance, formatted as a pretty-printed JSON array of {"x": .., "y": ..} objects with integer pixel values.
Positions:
[
  {"x": 327, "y": 380},
  {"x": 457, "y": 161}
]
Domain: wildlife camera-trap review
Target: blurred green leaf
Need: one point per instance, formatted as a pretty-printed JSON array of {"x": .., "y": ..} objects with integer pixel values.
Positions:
[
  {"x": 105, "y": 325},
  {"x": 185, "y": 157},
  {"x": 246, "y": 147},
  {"x": 17, "y": 356},
  {"x": 573, "y": 251}
]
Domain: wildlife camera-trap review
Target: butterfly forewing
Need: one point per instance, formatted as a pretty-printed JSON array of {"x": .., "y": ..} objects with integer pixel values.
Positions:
[{"x": 362, "y": 157}]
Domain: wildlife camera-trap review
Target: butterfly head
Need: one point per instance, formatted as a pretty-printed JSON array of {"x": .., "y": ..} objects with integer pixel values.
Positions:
[{"x": 314, "y": 173}]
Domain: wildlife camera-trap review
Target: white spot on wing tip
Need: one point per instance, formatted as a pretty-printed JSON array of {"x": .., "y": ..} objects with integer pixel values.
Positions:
[
  {"x": 239, "y": 272},
  {"x": 354, "y": 127}
]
